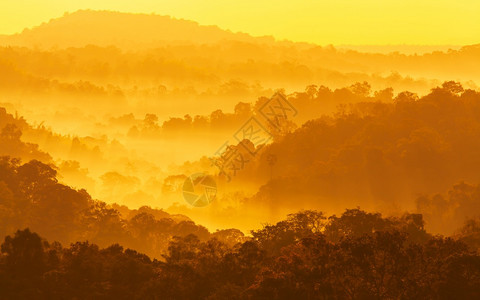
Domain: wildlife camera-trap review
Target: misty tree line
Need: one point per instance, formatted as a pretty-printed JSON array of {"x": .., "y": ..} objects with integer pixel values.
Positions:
[
  {"x": 399, "y": 150},
  {"x": 31, "y": 196},
  {"x": 357, "y": 255}
]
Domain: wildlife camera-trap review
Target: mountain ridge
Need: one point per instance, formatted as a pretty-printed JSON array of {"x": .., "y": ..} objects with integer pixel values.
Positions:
[
  {"x": 106, "y": 28},
  {"x": 114, "y": 28}
]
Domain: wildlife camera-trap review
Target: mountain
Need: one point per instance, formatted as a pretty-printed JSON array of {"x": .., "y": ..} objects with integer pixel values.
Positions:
[{"x": 125, "y": 30}]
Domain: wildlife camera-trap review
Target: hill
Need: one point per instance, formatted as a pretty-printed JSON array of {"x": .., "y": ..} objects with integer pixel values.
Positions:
[{"x": 125, "y": 30}]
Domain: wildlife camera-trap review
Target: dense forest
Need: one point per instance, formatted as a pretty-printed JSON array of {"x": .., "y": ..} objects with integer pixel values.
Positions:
[
  {"x": 309, "y": 255},
  {"x": 358, "y": 255},
  {"x": 382, "y": 151}
]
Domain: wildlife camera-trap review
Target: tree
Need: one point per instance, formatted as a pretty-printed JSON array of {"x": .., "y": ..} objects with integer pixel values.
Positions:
[
  {"x": 453, "y": 87},
  {"x": 25, "y": 255}
]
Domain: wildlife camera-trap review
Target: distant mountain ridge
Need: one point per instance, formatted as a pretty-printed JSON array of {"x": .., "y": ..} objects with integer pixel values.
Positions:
[
  {"x": 142, "y": 31},
  {"x": 125, "y": 30},
  {"x": 180, "y": 53}
]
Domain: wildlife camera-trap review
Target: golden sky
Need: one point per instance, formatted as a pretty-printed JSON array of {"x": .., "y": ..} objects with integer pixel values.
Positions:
[{"x": 421, "y": 22}]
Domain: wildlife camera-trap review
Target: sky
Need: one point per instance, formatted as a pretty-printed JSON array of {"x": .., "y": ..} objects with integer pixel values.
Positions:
[{"x": 338, "y": 22}]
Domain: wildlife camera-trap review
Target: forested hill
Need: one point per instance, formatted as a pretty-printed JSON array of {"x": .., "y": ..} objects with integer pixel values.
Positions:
[{"x": 126, "y": 30}]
